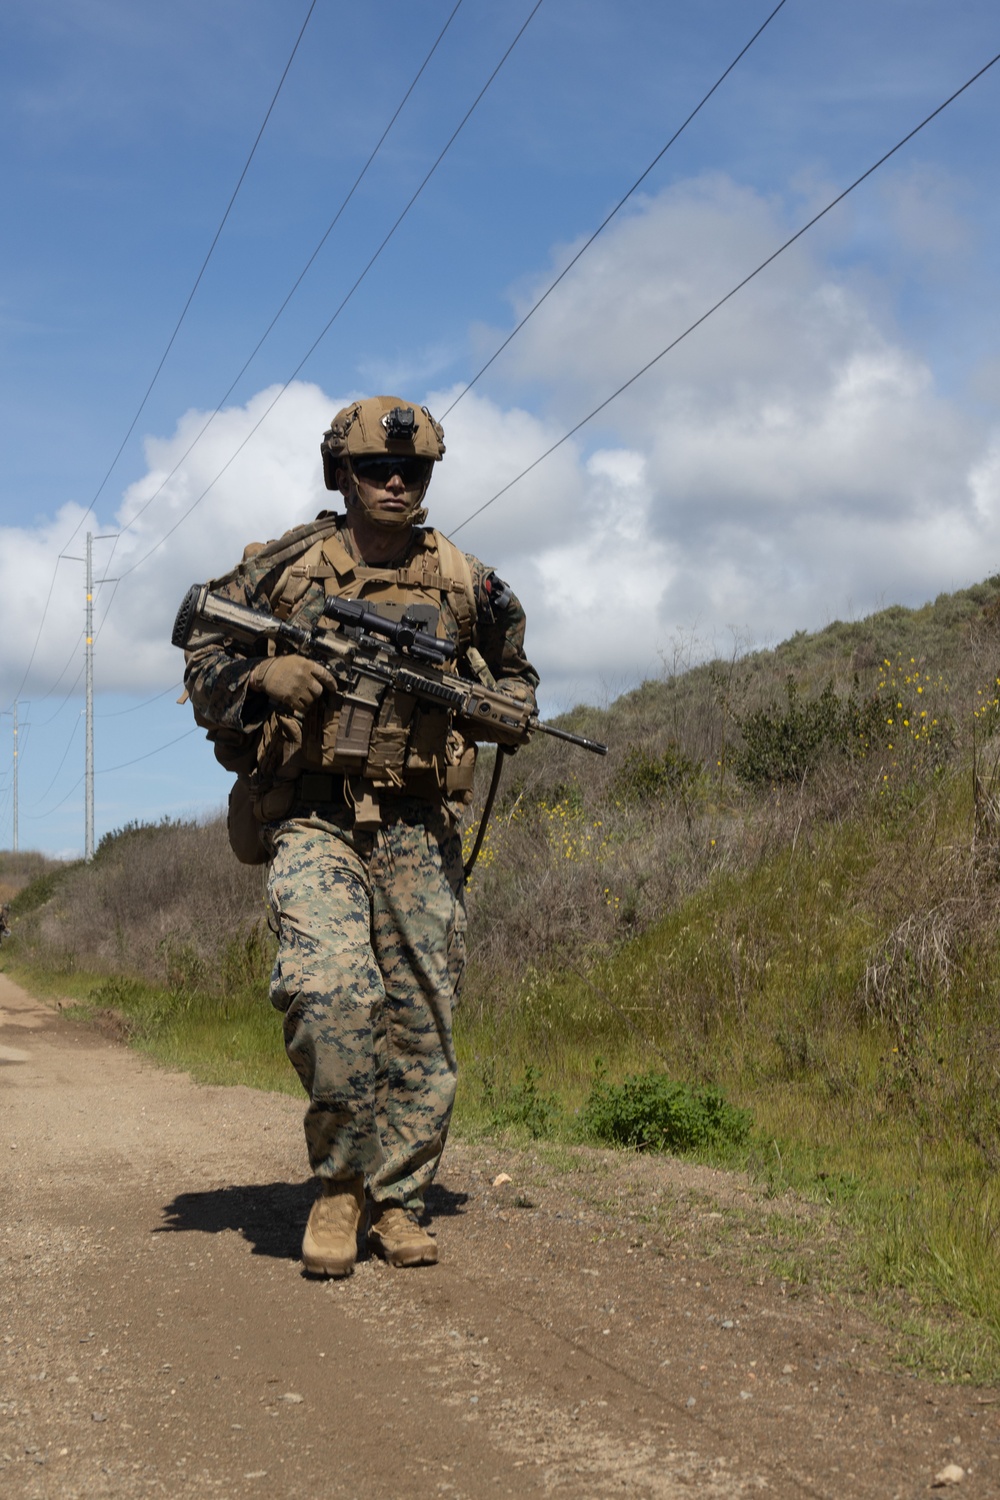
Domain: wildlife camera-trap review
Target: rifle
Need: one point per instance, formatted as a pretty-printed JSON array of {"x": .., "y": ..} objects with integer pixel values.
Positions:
[{"x": 358, "y": 650}]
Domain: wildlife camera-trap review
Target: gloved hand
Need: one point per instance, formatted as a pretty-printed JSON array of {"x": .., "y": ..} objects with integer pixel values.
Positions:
[
  {"x": 520, "y": 692},
  {"x": 292, "y": 681}
]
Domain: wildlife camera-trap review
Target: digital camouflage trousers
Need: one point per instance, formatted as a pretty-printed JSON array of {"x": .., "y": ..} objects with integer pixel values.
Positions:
[{"x": 371, "y": 949}]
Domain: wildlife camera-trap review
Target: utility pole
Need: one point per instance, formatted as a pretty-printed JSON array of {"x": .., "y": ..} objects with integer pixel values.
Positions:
[
  {"x": 88, "y": 779},
  {"x": 13, "y": 789},
  {"x": 88, "y": 836}
]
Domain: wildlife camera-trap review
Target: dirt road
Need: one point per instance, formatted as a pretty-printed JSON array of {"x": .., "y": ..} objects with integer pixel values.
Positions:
[{"x": 160, "y": 1339}]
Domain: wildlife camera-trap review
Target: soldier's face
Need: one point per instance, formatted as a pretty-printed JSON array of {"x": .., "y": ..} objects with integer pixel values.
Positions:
[{"x": 389, "y": 492}]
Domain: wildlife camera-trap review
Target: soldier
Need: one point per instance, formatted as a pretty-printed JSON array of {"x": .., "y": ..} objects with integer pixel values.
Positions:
[
  {"x": 357, "y": 806},
  {"x": 4, "y": 924}
]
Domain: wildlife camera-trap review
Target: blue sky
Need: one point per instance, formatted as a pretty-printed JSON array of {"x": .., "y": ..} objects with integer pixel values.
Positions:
[{"x": 827, "y": 443}]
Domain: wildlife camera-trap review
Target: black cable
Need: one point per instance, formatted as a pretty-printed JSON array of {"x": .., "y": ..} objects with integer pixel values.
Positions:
[
  {"x": 295, "y": 286},
  {"x": 106, "y": 770},
  {"x": 37, "y": 817},
  {"x": 118, "y": 712},
  {"x": 299, "y": 279},
  {"x": 308, "y": 354},
  {"x": 41, "y": 626},
  {"x": 66, "y": 697},
  {"x": 76, "y": 681},
  {"x": 325, "y": 330},
  {"x": 170, "y": 343},
  {"x": 173, "y": 688},
  {"x": 723, "y": 300},
  {"x": 204, "y": 265},
  {"x": 61, "y": 763},
  {"x": 618, "y": 206}
]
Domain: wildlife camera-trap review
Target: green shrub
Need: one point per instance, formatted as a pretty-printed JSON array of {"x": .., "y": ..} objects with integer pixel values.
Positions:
[
  {"x": 40, "y": 890},
  {"x": 782, "y": 742},
  {"x": 646, "y": 777},
  {"x": 521, "y": 1106},
  {"x": 651, "y": 1112}
]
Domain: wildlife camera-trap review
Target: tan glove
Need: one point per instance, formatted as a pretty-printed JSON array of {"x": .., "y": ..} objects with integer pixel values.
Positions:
[{"x": 292, "y": 681}]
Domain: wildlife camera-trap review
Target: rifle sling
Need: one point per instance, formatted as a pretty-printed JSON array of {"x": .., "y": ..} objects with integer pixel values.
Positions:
[{"x": 470, "y": 863}]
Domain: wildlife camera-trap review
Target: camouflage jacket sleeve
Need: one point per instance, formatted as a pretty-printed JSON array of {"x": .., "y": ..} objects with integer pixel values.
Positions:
[
  {"x": 500, "y": 633},
  {"x": 217, "y": 674}
]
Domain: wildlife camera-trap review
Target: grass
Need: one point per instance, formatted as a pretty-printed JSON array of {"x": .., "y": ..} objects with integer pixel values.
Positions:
[
  {"x": 880, "y": 1106},
  {"x": 232, "y": 1040},
  {"x": 782, "y": 888},
  {"x": 866, "y": 1236}
]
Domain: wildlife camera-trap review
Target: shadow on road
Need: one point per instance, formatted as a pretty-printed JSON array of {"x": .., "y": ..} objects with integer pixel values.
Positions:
[{"x": 272, "y": 1215}]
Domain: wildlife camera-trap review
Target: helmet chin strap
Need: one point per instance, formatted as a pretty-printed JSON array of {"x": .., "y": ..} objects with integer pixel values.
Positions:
[{"x": 414, "y": 515}]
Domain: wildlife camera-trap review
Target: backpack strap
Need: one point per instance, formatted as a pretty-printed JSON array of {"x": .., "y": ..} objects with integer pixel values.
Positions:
[
  {"x": 456, "y": 569},
  {"x": 292, "y": 543}
]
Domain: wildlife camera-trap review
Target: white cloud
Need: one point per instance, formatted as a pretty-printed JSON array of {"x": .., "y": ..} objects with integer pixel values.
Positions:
[
  {"x": 798, "y": 454},
  {"x": 793, "y": 460},
  {"x": 272, "y": 484}
]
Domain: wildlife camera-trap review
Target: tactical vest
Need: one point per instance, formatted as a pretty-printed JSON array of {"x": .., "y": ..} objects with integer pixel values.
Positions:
[{"x": 384, "y": 737}]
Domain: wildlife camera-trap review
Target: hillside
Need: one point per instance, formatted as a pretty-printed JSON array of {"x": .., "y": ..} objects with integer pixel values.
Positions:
[
  {"x": 780, "y": 886},
  {"x": 19, "y": 870}
]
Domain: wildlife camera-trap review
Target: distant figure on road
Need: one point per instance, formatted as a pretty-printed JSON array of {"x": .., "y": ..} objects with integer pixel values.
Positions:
[
  {"x": 357, "y": 801},
  {"x": 4, "y": 923}
]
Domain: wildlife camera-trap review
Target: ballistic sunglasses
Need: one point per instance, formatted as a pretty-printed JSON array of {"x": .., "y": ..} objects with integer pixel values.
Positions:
[{"x": 379, "y": 470}]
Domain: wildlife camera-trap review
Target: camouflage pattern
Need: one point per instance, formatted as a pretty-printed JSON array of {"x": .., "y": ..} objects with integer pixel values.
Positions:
[
  {"x": 371, "y": 931},
  {"x": 217, "y": 676},
  {"x": 370, "y": 921}
]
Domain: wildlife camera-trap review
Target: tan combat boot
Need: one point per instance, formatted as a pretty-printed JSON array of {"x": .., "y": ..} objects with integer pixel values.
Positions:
[
  {"x": 398, "y": 1238},
  {"x": 330, "y": 1243}
]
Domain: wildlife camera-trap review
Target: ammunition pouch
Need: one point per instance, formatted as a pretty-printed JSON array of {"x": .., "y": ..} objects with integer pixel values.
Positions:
[
  {"x": 371, "y": 741},
  {"x": 243, "y": 826},
  {"x": 372, "y": 732}
]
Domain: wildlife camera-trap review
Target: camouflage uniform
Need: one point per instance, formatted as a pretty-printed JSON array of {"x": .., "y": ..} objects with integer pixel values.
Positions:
[{"x": 370, "y": 919}]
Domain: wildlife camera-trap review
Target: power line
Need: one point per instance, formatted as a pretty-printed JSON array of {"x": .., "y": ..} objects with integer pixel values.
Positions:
[
  {"x": 301, "y": 276},
  {"x": 730, "y": 294},
  {"x": 37, "y": 817},
  {"x": 204, "y": 266},
  {"x": 118, "y": 712},
  {"x": 41, "y": 625},
  {"x": 607, "y": 220},
  {"x": 170, "y": 341},
  {"x": 70, "y": 691},
  {"x": 618, "y": 206},
  {"x": 69, "y": 662},
  {"x": 329, "y": 324},
  {"x": 106, "y": 770},
  {"x": 441, "y": 155},
  {"x": 55, "y": 778},
  {"x": 49, "y": 691},
  {"x": 295, "y": 286}
]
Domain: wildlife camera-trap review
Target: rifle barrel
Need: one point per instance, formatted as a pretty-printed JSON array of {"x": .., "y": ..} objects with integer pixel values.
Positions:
[{"x": 572, "y": 739}]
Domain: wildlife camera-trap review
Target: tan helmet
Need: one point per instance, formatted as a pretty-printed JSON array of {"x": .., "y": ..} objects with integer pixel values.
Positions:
[{"x": 379, "y": 425}]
